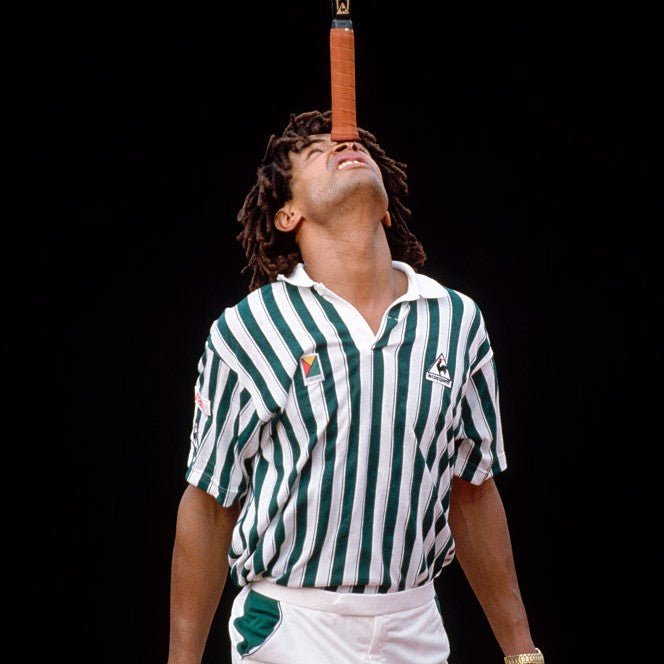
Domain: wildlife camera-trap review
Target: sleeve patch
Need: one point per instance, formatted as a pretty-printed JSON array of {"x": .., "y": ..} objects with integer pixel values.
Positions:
[{"x": 202, "y": 402}]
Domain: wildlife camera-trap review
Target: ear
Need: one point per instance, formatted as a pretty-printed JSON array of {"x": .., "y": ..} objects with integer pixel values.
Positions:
[
  {"x": 387, "y": 220},
  {"x": 287, "y": 218}
]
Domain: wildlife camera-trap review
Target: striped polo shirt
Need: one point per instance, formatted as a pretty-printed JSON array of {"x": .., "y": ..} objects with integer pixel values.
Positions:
[{"x": 341, "y": 443}]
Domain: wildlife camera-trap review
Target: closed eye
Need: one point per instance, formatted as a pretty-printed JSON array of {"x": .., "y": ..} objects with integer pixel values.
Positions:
[{"x": 316, "y": 147}]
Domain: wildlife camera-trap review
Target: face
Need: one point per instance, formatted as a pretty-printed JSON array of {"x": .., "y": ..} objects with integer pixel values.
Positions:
[{"x": 331, "y": 177}]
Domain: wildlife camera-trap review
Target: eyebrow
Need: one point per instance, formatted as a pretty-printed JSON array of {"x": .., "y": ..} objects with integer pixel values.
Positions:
[{"x": 313, "y": 141}]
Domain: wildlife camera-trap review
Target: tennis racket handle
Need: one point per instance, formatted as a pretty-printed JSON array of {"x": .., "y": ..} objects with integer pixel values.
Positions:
[{"x": 342, "y": 74}]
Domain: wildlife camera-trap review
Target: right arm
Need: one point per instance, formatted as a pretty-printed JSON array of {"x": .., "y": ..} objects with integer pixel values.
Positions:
[{"x": 198, "y": 573}]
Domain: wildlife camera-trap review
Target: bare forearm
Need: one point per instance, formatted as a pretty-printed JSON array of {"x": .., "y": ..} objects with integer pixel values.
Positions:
[
  {"x": 484, "y": 551},
  {"x": 198, "y": 573}
]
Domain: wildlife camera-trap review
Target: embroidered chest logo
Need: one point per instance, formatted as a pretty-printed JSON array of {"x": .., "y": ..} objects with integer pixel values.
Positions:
[
  {"x": 311, "y": 369},
  {"x": 439, "y": 373}
]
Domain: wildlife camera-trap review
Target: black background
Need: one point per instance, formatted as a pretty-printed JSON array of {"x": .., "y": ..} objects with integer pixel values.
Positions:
[{"x": 530, "y": 130}]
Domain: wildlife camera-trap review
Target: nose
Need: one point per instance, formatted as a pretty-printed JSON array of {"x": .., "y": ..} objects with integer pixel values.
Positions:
[{"x": 345, "y": 145}]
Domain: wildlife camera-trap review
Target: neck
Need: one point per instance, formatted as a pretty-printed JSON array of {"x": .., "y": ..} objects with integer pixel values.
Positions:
[{"x": 354, "y": 262}]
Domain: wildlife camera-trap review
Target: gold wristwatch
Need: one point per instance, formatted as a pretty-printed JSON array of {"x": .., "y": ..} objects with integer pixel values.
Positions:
[{"x": 526, "y": 658}]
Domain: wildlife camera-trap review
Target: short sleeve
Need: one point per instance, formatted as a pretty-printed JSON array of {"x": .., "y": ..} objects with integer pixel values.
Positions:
[
  {"x": 479, "y": 449},
  {"x": 225, "y": 431}
]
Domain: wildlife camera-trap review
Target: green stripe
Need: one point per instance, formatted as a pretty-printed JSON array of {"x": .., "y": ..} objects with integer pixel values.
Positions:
[
  {"x": 329, "y": 455},
  {"x": 222, "y": 413},
  {"x": 260, "y": 471},
  {"x": 456, "y": 316},
  {"x": 443, "y": 552},
  {"x": 254, "y": 539},
  {"x": 352, "y": 357},
  {"x": 234, "y": 572},
  {"x": 242, "y": 439},
  {"x": 305, "y": 473},
  {"x": 392, "y": 318},
  {"x": 273, "y": 507},
  {"x": 430, "y": 562},
  {"x": 482, "y": 352},
  {"x": 429, "y": 358},
  {"x": 469, "y": 429},
  {"x": 472, "y": 332},
  {"x": 413, "y": 517},
  {"x": 489, "y": 412},
  {"x": 495, "y": 467},
  {"x": 280, "y": 323},
  {"x": 457, "y": 310},
  {"x": 378, "y": 373},
  {"x": 471, "y": 432},
  {"x": 444, "y": 502},
  {"x": 294, "y": 347},
  {"x": 403, "y": 375},
  {"x": 430, "y": 355},
  {"x": 265, "y": 347},
  {"x": 245, "y": 362},
  {"x": 280, "y": 529},
  {"x": 372, "y": 466}
]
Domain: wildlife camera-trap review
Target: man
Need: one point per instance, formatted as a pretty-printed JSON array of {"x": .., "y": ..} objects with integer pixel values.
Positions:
[{"x": 346, "y": 431}]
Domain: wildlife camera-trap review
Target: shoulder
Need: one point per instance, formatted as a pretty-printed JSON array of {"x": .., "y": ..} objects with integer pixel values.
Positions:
[
  {"x": 434, "y": 289},
  {"x": 459, "y": 311},
  {"x": 255, "y": 324},
  {"x": 248, "y": 337},
  {"x": 423, "y": 286},
  {"x": 255, "y": 309}
]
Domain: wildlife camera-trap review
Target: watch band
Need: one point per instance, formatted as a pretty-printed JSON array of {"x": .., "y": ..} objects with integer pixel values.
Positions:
[{"x": 526, "y": 658}]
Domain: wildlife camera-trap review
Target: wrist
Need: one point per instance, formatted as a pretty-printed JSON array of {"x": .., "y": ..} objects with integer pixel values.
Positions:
[{"x": 526, "y": 658}]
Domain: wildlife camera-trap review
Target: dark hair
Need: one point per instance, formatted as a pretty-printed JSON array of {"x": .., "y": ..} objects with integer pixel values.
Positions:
[{"x": 270, "y": 251}]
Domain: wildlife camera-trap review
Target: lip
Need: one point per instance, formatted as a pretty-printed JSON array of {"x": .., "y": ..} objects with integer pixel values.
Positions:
[{"x": 350, "y": 155}]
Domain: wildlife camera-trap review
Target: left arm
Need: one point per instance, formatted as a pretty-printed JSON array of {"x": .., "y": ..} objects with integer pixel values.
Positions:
[{"x": 484, "y": 551}]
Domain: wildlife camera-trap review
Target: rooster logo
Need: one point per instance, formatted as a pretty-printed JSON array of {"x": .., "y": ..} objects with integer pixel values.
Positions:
[{"x": 438, "y": 372}]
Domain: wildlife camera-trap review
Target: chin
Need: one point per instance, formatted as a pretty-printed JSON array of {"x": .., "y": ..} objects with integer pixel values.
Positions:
[{"x": 364, "y": 191}]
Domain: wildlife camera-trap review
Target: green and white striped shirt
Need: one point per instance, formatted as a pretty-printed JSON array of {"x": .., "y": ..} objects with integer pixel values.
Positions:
[{"x": 341, "y": 443}]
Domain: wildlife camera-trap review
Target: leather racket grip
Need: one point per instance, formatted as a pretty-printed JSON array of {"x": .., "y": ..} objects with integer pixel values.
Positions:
[{"x": 342, "y": 74}]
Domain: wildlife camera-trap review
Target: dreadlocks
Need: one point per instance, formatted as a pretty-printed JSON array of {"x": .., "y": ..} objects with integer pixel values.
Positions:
[{"x": 271, "y": 252}]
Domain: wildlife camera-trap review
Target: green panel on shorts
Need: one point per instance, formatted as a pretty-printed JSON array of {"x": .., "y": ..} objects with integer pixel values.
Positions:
[{"x": 259, "y": 619}]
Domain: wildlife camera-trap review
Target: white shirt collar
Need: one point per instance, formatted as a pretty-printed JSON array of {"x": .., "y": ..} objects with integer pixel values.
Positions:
[{"x": 419, "y": 285}]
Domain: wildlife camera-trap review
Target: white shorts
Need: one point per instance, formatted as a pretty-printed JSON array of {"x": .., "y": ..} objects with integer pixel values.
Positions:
[{"x": 273, "y": 624}]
